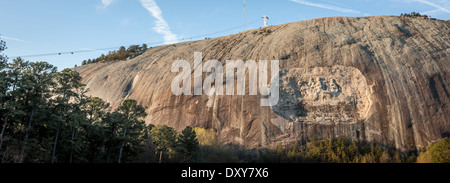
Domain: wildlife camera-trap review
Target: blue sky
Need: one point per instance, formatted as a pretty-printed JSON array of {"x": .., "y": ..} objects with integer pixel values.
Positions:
[{"x": 32, "y": 27}]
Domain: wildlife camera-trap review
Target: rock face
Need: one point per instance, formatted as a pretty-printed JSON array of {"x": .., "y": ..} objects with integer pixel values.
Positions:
[{"x": 380, "y": 79}]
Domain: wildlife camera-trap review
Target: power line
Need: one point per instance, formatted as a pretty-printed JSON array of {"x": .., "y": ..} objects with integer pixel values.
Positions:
[
  {"x": 117, "y": 47},
  {"x": 67, "y": 52}
]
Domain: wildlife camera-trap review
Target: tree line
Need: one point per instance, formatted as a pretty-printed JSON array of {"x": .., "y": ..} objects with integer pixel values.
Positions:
[
  {"x": 46, "y": 116},
  {"x": 121, "y": 54},
  {"x": 414, "y": 14}
]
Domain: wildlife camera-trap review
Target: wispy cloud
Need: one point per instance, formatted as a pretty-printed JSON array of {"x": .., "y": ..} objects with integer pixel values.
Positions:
[
  {"x": 105, "y": 4},
  {"x": 327, "y": 6},
  {"x": 438, "y": 7},
  {"x": 431, "y": 12},
  {"x": 13, "y": 39},
  {"x": 161, "y": 26},
  {"x": 94, "y": 50}
]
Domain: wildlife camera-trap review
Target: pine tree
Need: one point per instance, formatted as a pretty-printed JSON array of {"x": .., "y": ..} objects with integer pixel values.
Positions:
[
  {"x": 132, "y": 113},
  {"x": 98, "y": 127},
  {"x": 4, "y": 85},
  {"x": 144, "y": 47},
  {"x": 67, "y": 83},
  {"x": 12, "y": 103},
  {"x": 35, "y": 91},
  {"x": 110, "y": 136},
  {"x": 187, "y": 144},
  {"x": 164, "y": 138}
]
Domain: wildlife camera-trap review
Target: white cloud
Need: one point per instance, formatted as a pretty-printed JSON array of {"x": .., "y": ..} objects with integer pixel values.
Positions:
[
  {"x": 431, "y": 12},
  {"x": 105, "y": 4},
  {"x": 161, "y": 26},
  {"x": 327, "y": 6},
  {"x": 12, "y": 39},
  {"x": 439, "y": 7},
  {"x": 94, "y": 50}
]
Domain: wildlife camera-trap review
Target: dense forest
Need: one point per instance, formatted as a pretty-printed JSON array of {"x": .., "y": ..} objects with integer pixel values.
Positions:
[{"x": 46, "y": 117}]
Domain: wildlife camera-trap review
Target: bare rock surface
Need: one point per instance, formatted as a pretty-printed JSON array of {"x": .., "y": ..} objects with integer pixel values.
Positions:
[{"x": 381, "y": 79}]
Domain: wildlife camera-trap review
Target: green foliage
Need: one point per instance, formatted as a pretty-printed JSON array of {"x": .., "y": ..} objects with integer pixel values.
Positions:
[
  {"x": 164, "y": 138},
  {"x": 436, "y": 153},
  {"x": 46, "y": 117},
  {"x": 3, "y": 64},
  {"x": 211, "y": 150},
  {"x": 95, "y": 108},
  {"x": 131, "y": 110},
  {"x": 206, "y": 137},
  {"x": 340, "y": 150},
  {"x": 121, "y": 54},
  {"x": 187, "y": 145},
  {"x": 131, "y": 125},
  {"x": 414, "y": 14},
  {"x": 335, "y": 150}
]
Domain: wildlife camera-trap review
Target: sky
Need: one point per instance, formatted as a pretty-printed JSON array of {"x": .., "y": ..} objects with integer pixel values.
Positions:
[{"x": 92, "y": 27}]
